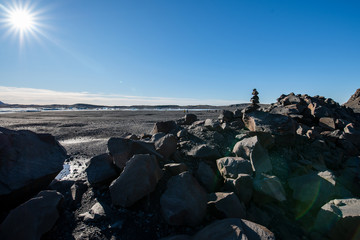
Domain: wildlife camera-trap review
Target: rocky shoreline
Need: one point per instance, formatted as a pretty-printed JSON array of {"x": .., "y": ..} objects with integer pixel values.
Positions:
[{"x": 290, "y": 170}]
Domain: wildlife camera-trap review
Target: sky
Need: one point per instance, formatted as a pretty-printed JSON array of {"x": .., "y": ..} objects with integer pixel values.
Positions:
[{"x": 130, "y": 52}]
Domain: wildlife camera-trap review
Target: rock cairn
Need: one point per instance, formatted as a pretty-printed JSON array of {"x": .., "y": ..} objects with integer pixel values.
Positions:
[{"x": 255, "y": 98}]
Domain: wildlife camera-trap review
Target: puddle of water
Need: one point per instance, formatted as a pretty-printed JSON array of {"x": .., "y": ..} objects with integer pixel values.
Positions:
[
  {"x": 81, "y": 140},
  {"x": 64, "y": 172}
]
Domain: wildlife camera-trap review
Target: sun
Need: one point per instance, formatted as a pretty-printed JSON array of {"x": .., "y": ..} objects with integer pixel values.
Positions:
[{"x": 21, "y": 20}]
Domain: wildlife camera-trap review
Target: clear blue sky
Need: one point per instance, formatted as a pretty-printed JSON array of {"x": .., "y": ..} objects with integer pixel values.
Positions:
[{"x": 206, "y": 50}]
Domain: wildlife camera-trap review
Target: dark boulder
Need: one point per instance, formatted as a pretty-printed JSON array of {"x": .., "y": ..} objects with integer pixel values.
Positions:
[
  {"x": 28, "y": 163},
  {"x": 32, "y": 219}
]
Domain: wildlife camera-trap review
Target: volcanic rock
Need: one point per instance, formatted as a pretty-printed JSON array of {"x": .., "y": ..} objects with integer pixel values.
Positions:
[
  {"x": 234, "y": 228},
  {"x": 242, "y": 186},
  {"x": 226, "y": 205},
  {"x": 269, "y": 186},
  {"x": 354, "y": 101},
  {"x": 164, "y": 127},
  {"x": 204, "y": 151},
  {"x": 207, "y": 177},
  {"x": 28, "y": 163},
  {"x": 138, "y": 179},
  {"x": 176, "y": 168},
  {"x": 121, "y": 150},
  {"x": 339, "y": 219},
  {"x": 166, "y": 145},
  {"x": 32, "y": 219},
  {"x": 101, "y": 169},
  {"x": 231, "y": 167},
  {"x": 252, "y": 149},
  {"x": 184, "y": 201}
]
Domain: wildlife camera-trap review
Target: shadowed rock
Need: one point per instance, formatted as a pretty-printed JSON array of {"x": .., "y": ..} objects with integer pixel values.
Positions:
[
  {"x": 121, "y": 150},
  {"x": 231, "y": 167},
  {"x": 138, "y": 179},
  {"x": 101, "y": 169},
  {"x": 339, "y": 219},
  {"x": 234, "y": 228},
  {"x": 28, "y": 163},
  {"x": 184, "y": 201},
  {"x": 226, "y": 204},
  {"x": 32, "y": 219}
]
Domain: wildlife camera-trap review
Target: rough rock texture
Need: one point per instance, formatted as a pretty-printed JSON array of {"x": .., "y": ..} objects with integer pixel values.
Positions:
[
  {"x": 28, "y": 163},
  {"x": 204, "y": 151},
  {"x": 315, "y": 188},
  {"x": 138, "y": 179},
  {"x": 101, "y": 169},
  {"x": 207, "y": 177},
  {"x": 164, "y": 127},
  {"x": 176, "y": 168},
  {"x": 166, "y": 145},
  {"x": 96, "y": 212},
  {"x": 270, "y": 186},
  {"x": 184, "y": 201},
  {"x": 226, "y": 205},
  {"x": 339, "y": 219},
  {"x": 259, "y": 121},
  {"x": 251, "y": 148},
  {"x": 354, "y": 101},
  {"x": 234, "y": 228},
  {"x": 231, "y": 167},
  {"x": 32, "y": 219},
  {"x": 121, "y": 150},
  {"x": 242, "y": 186}
]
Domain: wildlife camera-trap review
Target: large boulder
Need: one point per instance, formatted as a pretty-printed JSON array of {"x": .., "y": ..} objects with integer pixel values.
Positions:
[
  {"x": 226, "y": 205},
  {"x": 138, "y": 179},
  {"x": 354, "y": 101},
  {"x": 207, "y": 177},
  {"x": 204, "y": 151},
  {"x": 122, "y": 149},
  {"x": 313, "y": 189},
  {"x": 176, "y": 168},
  {"x": 101, "y": 169},
  {"x": 28, "y": 163},
  {"x": 164, "y": 127},
  {"x": 269, "y": 186},
  {"x": 231, "y": 167},
  {"x": 283, "y": 128},
  {"x": 32, "y": 219},
  {"x": 184, "y": 202},
  {"x": 339, "y": 219},
  {"x": 242, "y": 186},
  {"x": 258, "y": 121},
  {"x": 251, "y": 148},
  {"x": 234, "y": 228},
  {"x": 188, "y": 119},
  {"x": 166, "y": 145}
]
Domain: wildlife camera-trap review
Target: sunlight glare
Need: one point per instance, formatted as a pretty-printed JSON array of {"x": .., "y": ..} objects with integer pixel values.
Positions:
[{"x": 21, "y": 19}]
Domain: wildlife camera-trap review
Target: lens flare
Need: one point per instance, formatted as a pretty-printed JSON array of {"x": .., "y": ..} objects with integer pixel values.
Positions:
[{"x": 21, "y": 20}]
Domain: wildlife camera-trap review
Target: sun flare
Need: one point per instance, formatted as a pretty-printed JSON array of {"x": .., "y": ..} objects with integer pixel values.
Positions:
[{"x": 21, "y": 20}]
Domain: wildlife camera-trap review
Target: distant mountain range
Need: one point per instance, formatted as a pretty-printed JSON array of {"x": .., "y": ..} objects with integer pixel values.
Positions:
[{"x": 91, "y": 106}]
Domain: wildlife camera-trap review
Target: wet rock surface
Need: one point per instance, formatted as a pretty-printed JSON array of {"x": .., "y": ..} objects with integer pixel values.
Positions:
[{"x": 206, "y": 181}]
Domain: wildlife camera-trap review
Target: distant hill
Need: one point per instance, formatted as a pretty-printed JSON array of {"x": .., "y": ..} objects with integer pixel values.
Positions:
[
  {"x": 354, "y": 101},
  {"x": 1, "y": 103}
]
